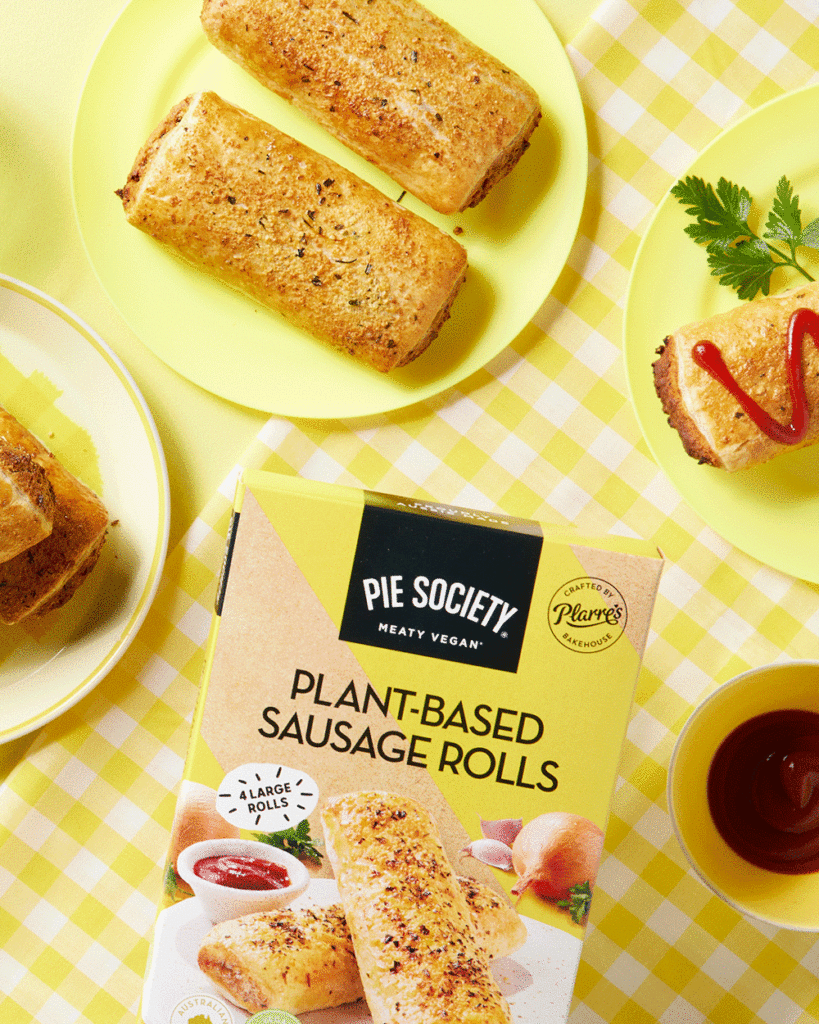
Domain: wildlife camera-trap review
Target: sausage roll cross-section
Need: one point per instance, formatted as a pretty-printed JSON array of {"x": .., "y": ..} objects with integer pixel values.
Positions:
[
  {"x": 419, "y": 957},
  {"x": 753, "y": 413},
  {"x": 392, "y": 81},
  {"x": 45, "y": 575},
  {"x": 26, "y": 501},
  {"x": 294, "y": 231}
]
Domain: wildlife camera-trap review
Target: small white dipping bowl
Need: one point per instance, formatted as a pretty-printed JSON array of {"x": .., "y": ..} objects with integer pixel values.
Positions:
[{"x": 222, "y": 903}]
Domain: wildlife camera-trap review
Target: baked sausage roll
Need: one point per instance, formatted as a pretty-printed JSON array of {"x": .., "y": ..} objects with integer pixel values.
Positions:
[
  {"x": 713, "y": 418},
  {"x": 301, "y": 960},
  {"x": 409, "y": 920},
  {"x": 389, "y": 79},
  {"x": 26, "y": 501},
  {"x": 292, "y": 960},
  {"x": 294, "y": 231},
  {"x": 47, "y": 574}
]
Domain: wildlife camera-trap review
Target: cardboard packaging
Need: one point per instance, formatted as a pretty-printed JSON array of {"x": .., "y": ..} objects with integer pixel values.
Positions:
[{"x": 473, "y": 666}]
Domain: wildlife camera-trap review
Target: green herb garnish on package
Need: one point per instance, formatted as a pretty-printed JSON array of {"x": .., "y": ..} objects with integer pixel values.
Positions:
[
  {"x": 296, "y": 841},
  {"x": 579, "y": 901},
  {"x": 737, "y": 255}
]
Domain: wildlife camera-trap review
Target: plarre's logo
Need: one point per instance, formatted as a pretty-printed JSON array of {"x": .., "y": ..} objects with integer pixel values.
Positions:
[
  {"x": 439, "y": 595},
  {"x": 587, "y": 615}
]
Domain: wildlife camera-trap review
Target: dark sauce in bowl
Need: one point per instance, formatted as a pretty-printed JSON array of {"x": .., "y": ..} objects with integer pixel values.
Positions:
[
  {"x": 763, "y": 791},
  {"x": 236, "y": 872}
]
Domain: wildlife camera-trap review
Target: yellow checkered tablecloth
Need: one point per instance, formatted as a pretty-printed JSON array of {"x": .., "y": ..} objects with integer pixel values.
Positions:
[{"x": 545, "y": 430}]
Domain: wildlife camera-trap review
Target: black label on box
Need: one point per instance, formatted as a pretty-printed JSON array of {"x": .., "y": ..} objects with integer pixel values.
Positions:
[{"x": 442, "y": 582}]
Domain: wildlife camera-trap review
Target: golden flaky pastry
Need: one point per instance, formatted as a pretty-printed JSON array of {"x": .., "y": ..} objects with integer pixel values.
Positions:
[
  {"x": 294, "y": 231},
  {"x": 419, "y": 958},
  {"x": 392, "y": 81},
  {"x": 752, "y": 339},
  {"x": 26, "y": 501},
  {"x": 47, "y": 574},
  {"x": 303, "y": 959}
]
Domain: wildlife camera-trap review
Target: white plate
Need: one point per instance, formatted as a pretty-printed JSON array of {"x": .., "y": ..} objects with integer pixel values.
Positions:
[
  {"x": 67, "y": 386},
  {"x": 537, "y": 980}
]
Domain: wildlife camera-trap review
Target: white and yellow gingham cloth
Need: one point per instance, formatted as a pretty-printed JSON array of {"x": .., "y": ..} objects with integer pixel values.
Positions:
[{"x": 545, "y": 430}]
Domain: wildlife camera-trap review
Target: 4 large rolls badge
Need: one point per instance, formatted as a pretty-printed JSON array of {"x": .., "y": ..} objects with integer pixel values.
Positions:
[{"x": 587, "y": 614}]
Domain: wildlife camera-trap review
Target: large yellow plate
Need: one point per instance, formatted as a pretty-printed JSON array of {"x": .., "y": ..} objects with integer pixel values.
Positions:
[
  {"x": 65, "y": 384},
  {"x": 517, "y": 240},
  {"x": 770, "y": 512}
]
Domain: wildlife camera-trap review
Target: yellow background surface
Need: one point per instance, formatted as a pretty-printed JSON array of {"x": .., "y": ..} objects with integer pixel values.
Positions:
[{"x": 546, "y": 430}]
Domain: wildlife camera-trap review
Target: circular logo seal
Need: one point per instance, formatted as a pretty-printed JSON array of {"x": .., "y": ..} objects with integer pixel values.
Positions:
[
  {"x": 201, "y": 1009},
  {"x": 587, "y": 615},
  {"x": 272, "y": 1017}
]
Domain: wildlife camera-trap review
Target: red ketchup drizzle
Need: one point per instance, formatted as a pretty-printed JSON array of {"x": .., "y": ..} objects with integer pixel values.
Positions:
[
  {"x": 763, "y": 791},
  {"x": 802, "y": 322},
  {"x": 237, "y": 872}
]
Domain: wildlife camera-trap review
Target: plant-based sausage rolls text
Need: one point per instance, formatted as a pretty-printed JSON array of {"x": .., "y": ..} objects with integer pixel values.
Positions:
[
  {"x": 44, "y": 576},
  {"x": 303, "y": 959},
  {"x": 715, "y": 421},
  {"x": 417, "y": 952},
  {"x": 294, "y": 231},
  {"x": 396, "y": 84}
]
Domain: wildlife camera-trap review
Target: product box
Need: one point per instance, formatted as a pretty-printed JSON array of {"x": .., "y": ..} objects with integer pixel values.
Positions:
[{"x": 465, "y": 677}]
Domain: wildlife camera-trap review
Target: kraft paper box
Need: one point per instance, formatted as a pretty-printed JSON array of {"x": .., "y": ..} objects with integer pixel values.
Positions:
[{"x": 362, "y": 643}]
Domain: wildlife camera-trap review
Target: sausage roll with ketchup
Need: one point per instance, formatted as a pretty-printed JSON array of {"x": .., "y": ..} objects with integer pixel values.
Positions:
[{"x": 743, "y": 386}]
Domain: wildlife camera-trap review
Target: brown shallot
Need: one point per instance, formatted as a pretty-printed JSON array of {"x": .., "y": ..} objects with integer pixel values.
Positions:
[{"x": 554, "y": 852}]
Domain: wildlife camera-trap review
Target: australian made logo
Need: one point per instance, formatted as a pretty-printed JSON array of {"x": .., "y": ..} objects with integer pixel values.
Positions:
[
  {"x": 587, "y": 615},
  {"x": 201, "y": 1009}
]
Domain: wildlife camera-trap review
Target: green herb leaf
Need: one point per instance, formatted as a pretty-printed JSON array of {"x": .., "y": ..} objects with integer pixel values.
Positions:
[
  {"x": 579, "y": 901},
  {"x": 785, "y": 219},
  {"x": 296, "y": 841},
  {"x": 737, "y": 255},
  {"x": 720, "y": 215},
  {"x": 746, "y": 267},
  {"x": 810, "y": 235}
]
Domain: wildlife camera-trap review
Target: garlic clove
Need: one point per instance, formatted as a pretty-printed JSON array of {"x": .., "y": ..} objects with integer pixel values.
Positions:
[
  {"x": 490, "y": 851},
  {"x": 503, "y": 829}
]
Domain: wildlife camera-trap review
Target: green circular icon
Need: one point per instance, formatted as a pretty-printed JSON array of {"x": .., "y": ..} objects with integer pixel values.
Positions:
[{"x": 272, "y": 1017}]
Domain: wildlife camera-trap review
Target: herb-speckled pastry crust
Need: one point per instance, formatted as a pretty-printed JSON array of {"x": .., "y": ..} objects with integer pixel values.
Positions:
[
  {"x": 294, "y": 231},
  {"x": 392, "y": 81},
  {"x": 47, "y": 574},
  {"x": 419, "y": 959},
  {"x": 303, "y": 959},
  {"x": 26, "y": 501},
  {"x": 293, "y": 960},
  {"x": 752, "y": 339}
]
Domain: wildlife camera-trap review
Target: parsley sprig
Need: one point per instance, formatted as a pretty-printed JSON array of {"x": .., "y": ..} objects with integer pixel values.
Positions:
[
  {"x": 579, "y": 901},
  {"x": 737, "y": 255},
  {"x": 297, "y": 841}
]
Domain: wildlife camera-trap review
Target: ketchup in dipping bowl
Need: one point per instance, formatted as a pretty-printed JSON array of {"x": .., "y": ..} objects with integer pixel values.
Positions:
[
  {"x": 743, "y": 793},
  {"x": 239, "y": 872},
  {"x": 232, "y": 877}
]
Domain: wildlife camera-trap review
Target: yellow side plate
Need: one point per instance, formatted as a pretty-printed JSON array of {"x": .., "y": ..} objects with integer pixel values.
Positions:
[{"x": 767, "y": 511}]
